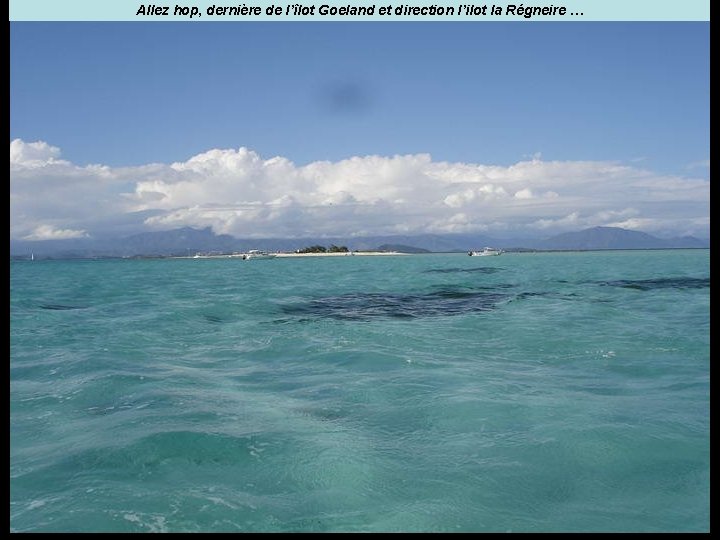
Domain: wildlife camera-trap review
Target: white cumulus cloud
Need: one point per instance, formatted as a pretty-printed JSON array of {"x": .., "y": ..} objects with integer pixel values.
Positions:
[
  {"x": 35, "y": 154},
  {"x": 48, "y": 232},
  {"x": 238, "y": 192}
]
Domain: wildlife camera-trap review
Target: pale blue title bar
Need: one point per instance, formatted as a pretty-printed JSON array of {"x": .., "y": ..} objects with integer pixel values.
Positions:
[{"x": 359, "y": 10}]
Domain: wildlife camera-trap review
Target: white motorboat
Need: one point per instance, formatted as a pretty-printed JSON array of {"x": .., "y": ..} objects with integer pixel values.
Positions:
[
  {"x": 488, "y": 251},
  {"x": 258, "y": 254}
]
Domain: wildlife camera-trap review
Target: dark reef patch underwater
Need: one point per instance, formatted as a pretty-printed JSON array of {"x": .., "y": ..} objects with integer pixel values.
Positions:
[
  {"x": 359, "y": 306},
  {"x": 480, "y": 269},
  {"x": 660, "y": 283}
]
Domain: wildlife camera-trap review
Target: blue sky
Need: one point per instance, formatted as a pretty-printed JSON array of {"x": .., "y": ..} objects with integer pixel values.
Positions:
[{"x": 492, "y": 94}]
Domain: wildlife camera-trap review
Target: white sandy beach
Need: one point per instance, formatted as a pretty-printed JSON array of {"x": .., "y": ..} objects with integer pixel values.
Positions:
[
  {"x": 290, "y": 254},
  {"x": 348, "y": 254}
]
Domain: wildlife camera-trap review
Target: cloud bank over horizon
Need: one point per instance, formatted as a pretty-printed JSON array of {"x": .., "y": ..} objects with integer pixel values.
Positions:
[{"x": 237, "y": 192}]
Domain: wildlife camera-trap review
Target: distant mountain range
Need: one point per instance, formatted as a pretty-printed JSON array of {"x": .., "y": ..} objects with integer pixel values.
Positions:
[
  {"x": 189, "y": 241},
  {"x": 616, "y": 238},
  {"x": 401, "y": 248}
]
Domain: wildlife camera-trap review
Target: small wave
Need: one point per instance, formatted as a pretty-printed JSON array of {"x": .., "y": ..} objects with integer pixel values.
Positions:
[
  {"x": 60, "y": 307},
  {"x": 149, "y": 455},
  {"x": 528, "y": 294}
]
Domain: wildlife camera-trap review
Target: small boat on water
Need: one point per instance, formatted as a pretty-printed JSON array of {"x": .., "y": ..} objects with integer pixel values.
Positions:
[
  {"x": 258, "y": 254},
  {"x": 488, "y": 251}
]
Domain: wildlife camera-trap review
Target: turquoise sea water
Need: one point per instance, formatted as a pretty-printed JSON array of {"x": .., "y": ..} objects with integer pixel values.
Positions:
[{"x": 526, "y": 392}]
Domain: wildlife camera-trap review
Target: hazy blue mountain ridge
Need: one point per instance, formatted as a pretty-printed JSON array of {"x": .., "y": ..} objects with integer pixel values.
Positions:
[{"x": 188, "y": 241}]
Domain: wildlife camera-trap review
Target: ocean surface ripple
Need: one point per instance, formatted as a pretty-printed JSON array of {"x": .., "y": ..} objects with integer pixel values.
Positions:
[{"x": 541, "y": 392}]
